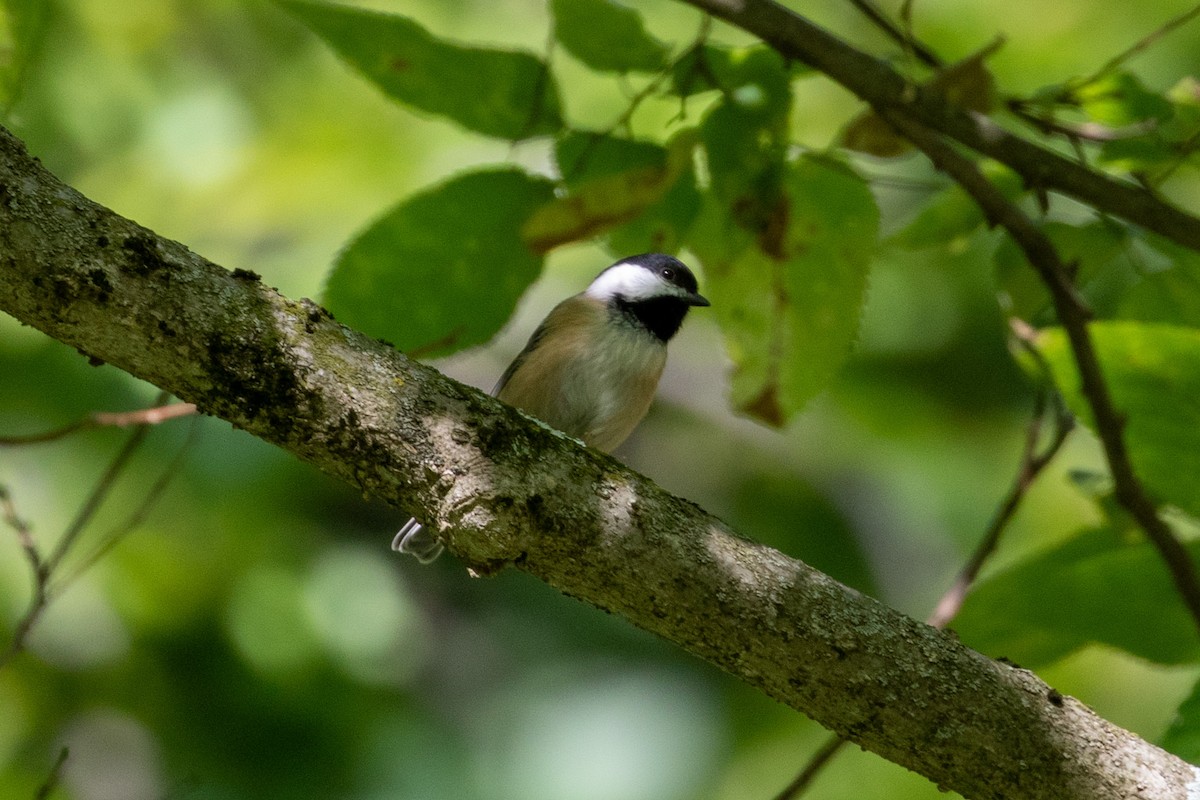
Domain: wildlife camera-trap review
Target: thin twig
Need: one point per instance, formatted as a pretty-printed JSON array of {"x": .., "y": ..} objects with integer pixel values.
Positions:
[
  {"x": 52, "y": 780},
  {"x": 1031, "y": 465},
  {"x": 135, "y": 518},
  {"x": 100, "y": 419},
  {"x": 1139, "y": 46},
  {"x": 44, "y": 568},
  {"x": 794, "y": 36},
  {"x": 51, "y": 783},
  {"x": 1085, "y": 131},
  {"x": 40, "y": 572},
  {"x": 1073, "y": 315},
  {"x": 813, "y": 768},
  {"x": 99, "y": 494},
  {"x": 905, "y": 39},
  {"x": 626, "y": 116}
]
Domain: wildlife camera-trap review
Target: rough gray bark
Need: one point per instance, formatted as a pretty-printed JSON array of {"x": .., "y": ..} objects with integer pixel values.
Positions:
[{"x": 505, "y": 490}]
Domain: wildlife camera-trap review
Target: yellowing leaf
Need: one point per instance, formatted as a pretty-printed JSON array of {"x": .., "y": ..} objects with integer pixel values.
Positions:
[{"x": 601, "y": 203}]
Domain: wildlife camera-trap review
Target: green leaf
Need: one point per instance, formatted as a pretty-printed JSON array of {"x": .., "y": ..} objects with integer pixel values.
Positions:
[
  {"x": 757, "y": 82},
  {"x": 1139, "y": 154},
  {"x": 1121, "y": 99},
  {"x": 584, "y": 156},
  {"x": 614, "y": 183},
  {"x": 1099, "y": 252},
  {"x": 499, "y": 93},
  {"x": 746, "y": 139},
  {"x": 443, "y": 270},
  {"x": 1153, "y": 372},
  {"x": 22, "y": 24},
  {"x": 710, "y": 67},
  {"x": 1183, "y": 737},
  {"x": 1168, "y": 138},
  {"x": 607, "y": 36},
  {"x": 658, "y": 219},
  {"x": 1170, "y": 295},
  {"x": 663, "y": 227},
  {"x": 952, "y": 214},
  {"x": 1105, "y": 585},
  {"x": 696, "y": 70},
  {"x": 789, "y": 297}
]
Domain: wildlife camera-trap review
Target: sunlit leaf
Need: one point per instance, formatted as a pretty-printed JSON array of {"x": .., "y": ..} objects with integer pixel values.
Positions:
[
  {"x": 1154, "y": 146},
  {"x": 790, "y": 310},
  {"x": 444, "y": 269},
  {"x": 1184, "y": 123},
  {"x": 1121, "y": 99},
  {"x": 1153, "y": 372},
  {"x": 1104, "y": 586},
  {"x": 22, "y": 23},
  {"x": 506, "y": 94},
  {"x": 614, "y": 183},
  {"x": 656, "y": 226},
  {"x": 606, "y": 36},
  {"x": 1183, "y": 737}
]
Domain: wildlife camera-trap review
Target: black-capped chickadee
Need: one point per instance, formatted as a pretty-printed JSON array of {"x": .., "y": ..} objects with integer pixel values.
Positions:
[{"x": 591, "y": 368}]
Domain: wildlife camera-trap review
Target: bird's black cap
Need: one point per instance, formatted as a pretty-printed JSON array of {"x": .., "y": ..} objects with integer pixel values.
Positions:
[{"x": 673, "y": 271}]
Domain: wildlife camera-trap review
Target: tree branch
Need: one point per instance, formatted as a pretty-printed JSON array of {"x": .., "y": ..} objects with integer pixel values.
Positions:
[
  {"x": 950, "y": 603},
  {"x": 39, "y": 575},
  {"x": 1073, "y": 316},
  {"x": 502, "y": 489},
  {"x": 100, "y": 419},
  {"x": 886, "y": 90},
  {"x": 1030, "y": 466}
]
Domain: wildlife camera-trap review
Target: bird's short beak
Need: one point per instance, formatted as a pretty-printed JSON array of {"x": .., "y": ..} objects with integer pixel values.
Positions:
[{"x": 696, "y": 300}]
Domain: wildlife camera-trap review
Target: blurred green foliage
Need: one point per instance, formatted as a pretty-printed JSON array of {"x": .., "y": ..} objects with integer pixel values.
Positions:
[
  {"x": 463, "y": 240},
  {"x": 253, "y": 637}
]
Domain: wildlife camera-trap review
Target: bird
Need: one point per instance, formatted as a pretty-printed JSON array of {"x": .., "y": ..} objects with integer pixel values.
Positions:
[{"x": 591, "y": 367}]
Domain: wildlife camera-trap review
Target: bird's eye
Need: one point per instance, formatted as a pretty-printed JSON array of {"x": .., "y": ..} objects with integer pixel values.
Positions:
[{"x": 667, "y": 273}]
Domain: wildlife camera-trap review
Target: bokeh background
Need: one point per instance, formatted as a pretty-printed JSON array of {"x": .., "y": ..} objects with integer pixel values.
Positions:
[{"x": 255, "y": 637}]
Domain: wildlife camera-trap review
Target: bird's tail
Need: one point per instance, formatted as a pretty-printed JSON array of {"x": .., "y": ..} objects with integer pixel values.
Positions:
[{"x": 417, "y": 542}]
